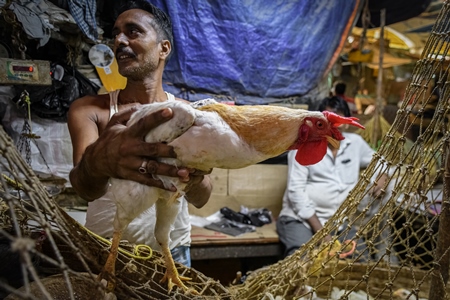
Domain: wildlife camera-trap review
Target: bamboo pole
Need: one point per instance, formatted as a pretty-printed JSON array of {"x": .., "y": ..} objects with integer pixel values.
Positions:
[
  {"x": 365, "y": 19},
  {"x": 440, "y": 274},
  {"x": 379, "y": 101}
]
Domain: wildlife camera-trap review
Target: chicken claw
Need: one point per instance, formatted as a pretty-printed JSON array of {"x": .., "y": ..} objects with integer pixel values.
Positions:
[
  {"x": 172, "y": 277},
  {"x": 175, "y": 279}
]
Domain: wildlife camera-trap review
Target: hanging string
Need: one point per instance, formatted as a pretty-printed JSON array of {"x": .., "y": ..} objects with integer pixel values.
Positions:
[{"x": 27, "y": 134}]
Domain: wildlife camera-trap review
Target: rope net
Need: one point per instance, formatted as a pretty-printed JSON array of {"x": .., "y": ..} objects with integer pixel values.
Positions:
[
  {"x": 45, "y": 254},
  {"x": 401, "y": 249},
  {"x": 402, "y": 245}
]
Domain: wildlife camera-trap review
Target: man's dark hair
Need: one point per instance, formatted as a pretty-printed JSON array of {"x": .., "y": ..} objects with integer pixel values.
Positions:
[
  {"x": 337, "y": 104},
  {"x": 162, "y": 24},
  {"x": 339, "y": 88}
]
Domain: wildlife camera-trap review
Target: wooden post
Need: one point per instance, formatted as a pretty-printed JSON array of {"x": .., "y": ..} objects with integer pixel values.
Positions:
[
  {"x": 440, "y": 274},
  {"x": 379, "y": 101}
]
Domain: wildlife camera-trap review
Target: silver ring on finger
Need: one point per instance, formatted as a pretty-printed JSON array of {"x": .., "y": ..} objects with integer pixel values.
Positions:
[{"x": 143, "y": 168}]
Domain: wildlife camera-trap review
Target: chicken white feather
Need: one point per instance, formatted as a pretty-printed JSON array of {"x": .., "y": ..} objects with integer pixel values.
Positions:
[{"x": 215, "y": 136}]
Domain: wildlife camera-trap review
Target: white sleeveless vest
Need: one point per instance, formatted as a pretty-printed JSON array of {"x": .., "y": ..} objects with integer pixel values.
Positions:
[{"x": 101, "y": 212}]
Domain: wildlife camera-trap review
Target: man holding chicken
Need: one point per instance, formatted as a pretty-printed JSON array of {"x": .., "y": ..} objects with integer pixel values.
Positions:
[{"x": 104, "y": 147}]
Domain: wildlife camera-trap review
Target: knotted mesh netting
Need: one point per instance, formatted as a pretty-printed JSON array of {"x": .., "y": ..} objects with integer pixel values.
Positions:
[{"x": 401, "y": 250}]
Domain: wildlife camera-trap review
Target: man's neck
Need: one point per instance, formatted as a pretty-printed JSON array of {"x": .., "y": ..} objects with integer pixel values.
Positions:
[
  {"x": 334, "y": 151},
  {"x": 142, "y": 92}
]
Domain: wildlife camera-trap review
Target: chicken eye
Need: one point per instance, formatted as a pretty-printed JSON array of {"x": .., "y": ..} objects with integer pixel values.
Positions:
[{"x": 319, "y": 124}]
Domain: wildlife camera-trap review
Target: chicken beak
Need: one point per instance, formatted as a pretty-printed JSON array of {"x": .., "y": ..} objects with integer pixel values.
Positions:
[{"x": 335, "y": 143}]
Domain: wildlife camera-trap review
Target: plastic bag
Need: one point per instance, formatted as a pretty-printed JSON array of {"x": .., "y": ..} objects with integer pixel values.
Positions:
[
  {"x": 257, "y": 217},
  {"x": 230, "y": 227}
]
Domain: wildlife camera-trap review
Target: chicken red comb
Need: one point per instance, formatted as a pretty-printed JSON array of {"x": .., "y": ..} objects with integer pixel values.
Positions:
[{"x": 337, "y": 120}]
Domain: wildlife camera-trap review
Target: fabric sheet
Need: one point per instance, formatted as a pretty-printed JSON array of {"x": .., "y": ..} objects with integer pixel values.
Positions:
[{"x": 254, "y": 51}]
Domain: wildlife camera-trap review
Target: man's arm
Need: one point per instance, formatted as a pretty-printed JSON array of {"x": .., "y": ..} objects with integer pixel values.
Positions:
[
  {"x": 86, "y": 184},
  {"x": 315, "y": 224},
  {"x": 297, "y": 181},
  {"x": 366, "y": 153},
  {"x": 198, "y": 193},
  {"x": 83, "y": 128},
  {"x": 117, "y": 152}
]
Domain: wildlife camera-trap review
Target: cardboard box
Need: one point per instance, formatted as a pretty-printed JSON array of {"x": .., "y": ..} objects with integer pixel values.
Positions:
[{"x": 257, "y": 186}]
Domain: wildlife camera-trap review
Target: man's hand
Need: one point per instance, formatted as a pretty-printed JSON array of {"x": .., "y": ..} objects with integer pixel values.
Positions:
[
  {"x": 120, "y": 151},
  {"x": 377, "y": 189}
]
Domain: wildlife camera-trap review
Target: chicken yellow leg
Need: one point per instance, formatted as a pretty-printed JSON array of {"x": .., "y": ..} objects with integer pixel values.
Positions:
[
  {"x": 109, "y": 269},
  {"x": 166, "y": 211},
  {"x": 171, "y": 276}
]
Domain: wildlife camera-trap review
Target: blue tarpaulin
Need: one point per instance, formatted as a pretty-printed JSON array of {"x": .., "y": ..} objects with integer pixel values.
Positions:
[{"x": 254, "y": 51}]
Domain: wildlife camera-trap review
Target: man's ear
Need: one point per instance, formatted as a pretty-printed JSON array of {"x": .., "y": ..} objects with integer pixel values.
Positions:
[{"x": 166, "y": 48}]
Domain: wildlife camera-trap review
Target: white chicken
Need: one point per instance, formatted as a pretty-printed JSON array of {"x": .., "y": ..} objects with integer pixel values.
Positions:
[
  {"x": 404, "y": 294},
  {"x": 215, "y": 135},
  {"x": 337, "y": 294}
]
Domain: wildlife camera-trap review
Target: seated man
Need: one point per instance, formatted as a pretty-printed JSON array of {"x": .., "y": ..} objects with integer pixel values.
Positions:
[
  {"x": 363, "y": 98},
  {"x": 314, "y": 193}
]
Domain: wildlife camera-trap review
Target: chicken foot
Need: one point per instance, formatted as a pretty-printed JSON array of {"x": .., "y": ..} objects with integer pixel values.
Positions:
[
  {"x": 171, "y": 276},
  {"x": 109, "y": 269},
  {"x": 166, "y": 210}
]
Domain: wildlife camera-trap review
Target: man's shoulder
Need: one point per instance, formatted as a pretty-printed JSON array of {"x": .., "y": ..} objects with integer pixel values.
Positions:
[
  {"x": 349, "y": 99},
  {"x": 90, "y": 107},
  {"x": 356, "y": 140},
  {"x": 354, "y": 137},
  {"x": 92, "y": 101}
]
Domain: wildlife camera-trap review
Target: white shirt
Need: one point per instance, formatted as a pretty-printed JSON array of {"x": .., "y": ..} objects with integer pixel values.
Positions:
[{"x": 321, "y": 188}]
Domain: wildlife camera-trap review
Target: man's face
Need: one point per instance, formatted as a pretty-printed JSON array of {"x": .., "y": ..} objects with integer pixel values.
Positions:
[{"x": 136, "y": 44}]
